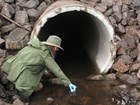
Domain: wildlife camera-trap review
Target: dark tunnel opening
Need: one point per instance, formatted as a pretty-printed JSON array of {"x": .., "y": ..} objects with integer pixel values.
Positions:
[{"x": 78, "y": 32}]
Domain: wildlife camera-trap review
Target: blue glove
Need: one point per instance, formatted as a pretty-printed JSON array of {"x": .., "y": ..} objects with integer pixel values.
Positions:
[{"x": 72, "y": 87}]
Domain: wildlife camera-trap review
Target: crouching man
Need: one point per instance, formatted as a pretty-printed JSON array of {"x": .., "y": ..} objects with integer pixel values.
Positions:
[{"x": 26, "y": 68}]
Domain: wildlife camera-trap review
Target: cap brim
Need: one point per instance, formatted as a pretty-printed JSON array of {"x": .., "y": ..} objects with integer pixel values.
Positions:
[{"x": 53, "y": 45}]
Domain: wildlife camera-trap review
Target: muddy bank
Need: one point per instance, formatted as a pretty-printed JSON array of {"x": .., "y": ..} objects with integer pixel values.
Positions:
[{"x": 124, "y": 17}]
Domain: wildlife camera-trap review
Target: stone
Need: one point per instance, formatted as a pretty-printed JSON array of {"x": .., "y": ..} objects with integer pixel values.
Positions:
[
  {"x": 120, "y": 66},
  {"x": 8, "y": 10},
  {"x": 135, "y": 67},
  {"x": 134, "y": 53},
  {"x": 41, "y": 7},
  {"x": 19, "y": 102},
  {"x": 95, "y": 77},
  {"x": 1, "y": 41},
  {"x": 9, "y": 1},
  {"x": 2, "y": 55},
  {"x": 2, "y": 91},
  {"x": 116, "y": 8},
  {"x": 126, "y": 59},
  {"x": 111, "y": 76},
  {"x": 138, "y": 74},
  {"x": 121, "y": 29},
  {"x": 124, "y": 22},
  {"x": 135, "y": 94},
  {"x": 112, "y": 20},
  {"x": 121, "y": 51},
  {"x": 117, "y": 16},
  {"x": 128, "y": 79},
  {"x": 125, "y": 15},
  {"x": 127, "y": 2},
  {"x": 7, "y": 28},
  {"x": 138, "y": 103},
  {"x": 132, "y": 21},
  {"x": 101, "y": 8},
  {"x": 17, "y": 39},
  {"x": 31, "y": 4},
  {"x": 124, "y": 8},
  {"x": 2, "y": 2},
  {"x": 108, "y": 12},
  {"x": 33, "y": 13},
  {"x": 21, "y": 17},
  {"x": 130, "y": 40},
  {"x": 136, "y": 2}
]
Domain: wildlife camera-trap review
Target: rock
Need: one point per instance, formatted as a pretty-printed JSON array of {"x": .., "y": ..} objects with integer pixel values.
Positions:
[
  {"x": 2, "y": 91},
  {"x": 1, "y": 3},
  {"x": 138, "y": 74},
  {"x": 116, "y": 8},
  {"x": 121, "y": 51},
  {"x": 136, "y": 2},
  {"x": 31, "y": 4},
  {"x": 126, "y": 2},
  {"x": 134, "y": 53},
  {"x": 135, "y": 94},
  {"x": 113, "y": 21},
  {"x": 4, "y": 103},
  {"x": 2, "y": 55},
  {"x": 111, "y": 76},
  {"x": 9, "y": 1},
  {"x": 124, "y": 8},
  {"x": 132, "y": 21},
  {"x": 19, "y": 102},
  {"x": 101, "y": 8},
  {"x": 120, "y": 66},
  {"x": 130, "y": 40},
  {"x": 21, "y": 17},
  {"x": 55, "y": 81},
  {"x": 33, "y": 13},
  {"x": 135, "y": 67},
  {"x": 1, "y": 41},
  {"x": 95, "y": 77},
  {"x": 117, "y": 16},
  {"x": 8, "y": 10},
  {"x": 121, "y": 29},
  {"x": 17, "y": 39},
  {"x": 128, "y": 79},
  {"x": 108, "y": 12},
  {"x": 124, "y": 22},
  {"x": 7, "y": 28},
  {"x": 41, "y": 7},
  {"x": 138, "y": 103}
]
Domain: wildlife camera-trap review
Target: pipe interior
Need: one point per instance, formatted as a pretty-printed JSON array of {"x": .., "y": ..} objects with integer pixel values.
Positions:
[{"x": 83, "y": 37}]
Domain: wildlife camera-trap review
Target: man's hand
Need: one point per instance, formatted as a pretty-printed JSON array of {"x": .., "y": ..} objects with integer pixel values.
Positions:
[{"x": 72, "y": 87}]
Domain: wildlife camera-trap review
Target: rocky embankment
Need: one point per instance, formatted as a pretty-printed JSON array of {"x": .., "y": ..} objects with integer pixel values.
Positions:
[{"x": 19, "y": 16}]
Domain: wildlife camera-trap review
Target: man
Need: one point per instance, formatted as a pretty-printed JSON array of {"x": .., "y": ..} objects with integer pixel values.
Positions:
[{"x": 26, "y": 68}]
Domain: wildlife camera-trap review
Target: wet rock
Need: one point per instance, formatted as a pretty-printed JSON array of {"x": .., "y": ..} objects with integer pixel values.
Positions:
[
  {"x": 8, "y": 10},
  {"x": 2, "y": 91},
  {"x": 128, "y": 79},
  {"x": 7, "y": 28},
  {"x": 19, "y": 102},
  {"x": 21, "y": 17},
  {"x": 55, "y": 81},
  {"x": 95, "y": 77},
  {"x": 17, "y": 39},
  {"x": 120, "y": 66}
]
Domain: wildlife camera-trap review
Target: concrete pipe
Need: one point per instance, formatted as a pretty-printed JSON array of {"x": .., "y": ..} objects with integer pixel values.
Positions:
[{"x": 84, "y": 31}]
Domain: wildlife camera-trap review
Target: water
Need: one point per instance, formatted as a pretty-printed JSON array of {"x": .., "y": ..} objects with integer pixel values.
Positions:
[{"x": 88, "y": 92}]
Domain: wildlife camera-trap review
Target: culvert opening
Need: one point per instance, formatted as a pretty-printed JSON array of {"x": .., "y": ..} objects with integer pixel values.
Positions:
[{"x": 87, "y": 37}]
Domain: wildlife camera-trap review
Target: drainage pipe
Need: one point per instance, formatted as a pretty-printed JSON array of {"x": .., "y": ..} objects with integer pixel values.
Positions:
[{"x": 80, "y": 27}]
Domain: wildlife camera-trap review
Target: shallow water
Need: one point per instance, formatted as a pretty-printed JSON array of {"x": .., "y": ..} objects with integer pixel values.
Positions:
[{"x": 88, "y": 92}]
